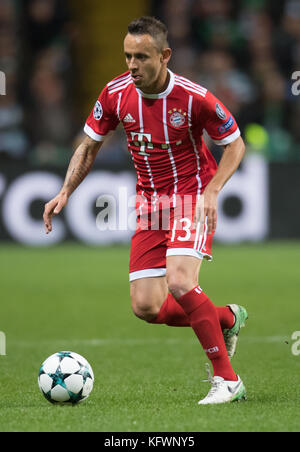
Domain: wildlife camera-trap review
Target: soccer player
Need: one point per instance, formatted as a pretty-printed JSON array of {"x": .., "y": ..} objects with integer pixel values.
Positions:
[{"x": 164, "y": 116}]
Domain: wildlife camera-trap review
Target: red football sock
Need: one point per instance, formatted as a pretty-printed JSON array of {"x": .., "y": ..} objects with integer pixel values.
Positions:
[
  {"x": 226, "y": 317},
  {"x": 205, "y": 323},
  {"x": 171, "y": 314}
]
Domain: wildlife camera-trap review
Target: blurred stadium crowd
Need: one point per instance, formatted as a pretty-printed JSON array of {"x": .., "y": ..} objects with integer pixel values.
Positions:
[
  {"x": 37, "y": 119},
  {"x": 244, "y": 51}
]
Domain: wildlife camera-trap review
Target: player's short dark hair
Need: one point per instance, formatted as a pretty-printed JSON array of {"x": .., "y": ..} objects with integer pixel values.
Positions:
[{"x": 148, "y": 25}]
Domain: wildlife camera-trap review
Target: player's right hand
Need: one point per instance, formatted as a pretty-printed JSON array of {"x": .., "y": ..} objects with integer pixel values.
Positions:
[{"x": 52, "y": 208}]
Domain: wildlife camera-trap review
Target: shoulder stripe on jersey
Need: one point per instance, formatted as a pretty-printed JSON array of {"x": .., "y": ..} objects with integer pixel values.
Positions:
[
  {"x": 121, "y": 87},
  {"x": 190, "y": 83},
  {"x": 119, "y": 83},
  {"x": 117, "y": 80},
  {"x": 188, "y": 88}
]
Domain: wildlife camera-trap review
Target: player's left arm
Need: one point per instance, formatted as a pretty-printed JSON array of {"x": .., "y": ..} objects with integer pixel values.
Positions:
[
  {"x": 222, "y": 127},
  {"x": 230, "y": 161}
]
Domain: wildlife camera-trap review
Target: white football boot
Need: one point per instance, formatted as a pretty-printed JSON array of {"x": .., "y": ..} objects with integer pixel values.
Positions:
[{"x": 223, "y": 391}]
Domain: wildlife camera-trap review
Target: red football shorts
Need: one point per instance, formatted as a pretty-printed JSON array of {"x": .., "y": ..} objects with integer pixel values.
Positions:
[{"x": 163, "y": 233}]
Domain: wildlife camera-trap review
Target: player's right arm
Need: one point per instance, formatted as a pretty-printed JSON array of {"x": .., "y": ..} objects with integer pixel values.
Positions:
[
  {"x": 102, "y": 121},
  {"x": 79, "y": 167}
]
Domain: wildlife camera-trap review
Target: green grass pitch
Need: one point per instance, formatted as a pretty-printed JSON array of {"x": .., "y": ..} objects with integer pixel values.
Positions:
[{"x": 147, "y": 377}]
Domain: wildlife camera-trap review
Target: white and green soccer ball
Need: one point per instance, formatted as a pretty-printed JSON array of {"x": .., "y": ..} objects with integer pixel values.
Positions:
[{"x": 66, "y": 378}]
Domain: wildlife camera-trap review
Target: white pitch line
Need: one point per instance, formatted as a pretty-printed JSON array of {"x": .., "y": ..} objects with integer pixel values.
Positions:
[{"x": 133, "y": 342}]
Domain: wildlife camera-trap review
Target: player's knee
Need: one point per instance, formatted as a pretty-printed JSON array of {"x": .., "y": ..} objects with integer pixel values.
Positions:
[
  {"x": 143, "y": 306},
  {"x": 179, "y": 284},
  {"x": 144, "y": 312}
]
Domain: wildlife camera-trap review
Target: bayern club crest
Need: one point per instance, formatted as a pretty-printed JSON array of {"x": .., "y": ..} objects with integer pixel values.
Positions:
[{"x": 177, "y": 118}]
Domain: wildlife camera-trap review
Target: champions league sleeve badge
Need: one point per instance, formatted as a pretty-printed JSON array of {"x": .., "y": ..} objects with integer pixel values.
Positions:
[
  {"x": 98, "y": 111},
  {"x": 220, "y": 112}
]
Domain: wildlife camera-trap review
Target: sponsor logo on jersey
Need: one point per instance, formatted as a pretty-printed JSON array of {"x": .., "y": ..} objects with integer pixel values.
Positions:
[
  {"x": 177, "y": 118},
  {"x": 98, "y": 111},
  {"x": 220, "y": 112},
  {"x": 225, "y": 127},
  {"x": 129, "y": 118},
  {"x": 143, "y": 141}
]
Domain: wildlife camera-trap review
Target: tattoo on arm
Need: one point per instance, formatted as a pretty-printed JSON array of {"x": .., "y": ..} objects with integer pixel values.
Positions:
[{"x": 79, "y": 167}]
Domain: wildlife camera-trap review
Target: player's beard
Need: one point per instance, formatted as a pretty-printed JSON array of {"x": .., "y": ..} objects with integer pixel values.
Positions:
[{"x": 150, "y": 83}]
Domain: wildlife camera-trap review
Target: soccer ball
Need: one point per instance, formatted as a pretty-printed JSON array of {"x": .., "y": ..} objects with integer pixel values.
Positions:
[{"x": 66, "y": 378}]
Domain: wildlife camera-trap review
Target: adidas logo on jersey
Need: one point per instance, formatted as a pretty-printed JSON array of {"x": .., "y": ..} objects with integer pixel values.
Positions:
[{"x": 129, "y": 118}]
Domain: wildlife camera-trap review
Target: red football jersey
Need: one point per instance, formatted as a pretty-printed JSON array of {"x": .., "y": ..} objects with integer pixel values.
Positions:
[{"x": 165, "y": 132}]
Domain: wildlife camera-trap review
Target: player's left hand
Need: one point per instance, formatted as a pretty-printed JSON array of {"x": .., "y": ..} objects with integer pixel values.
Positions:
[{"x": 206, "y": 210}]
